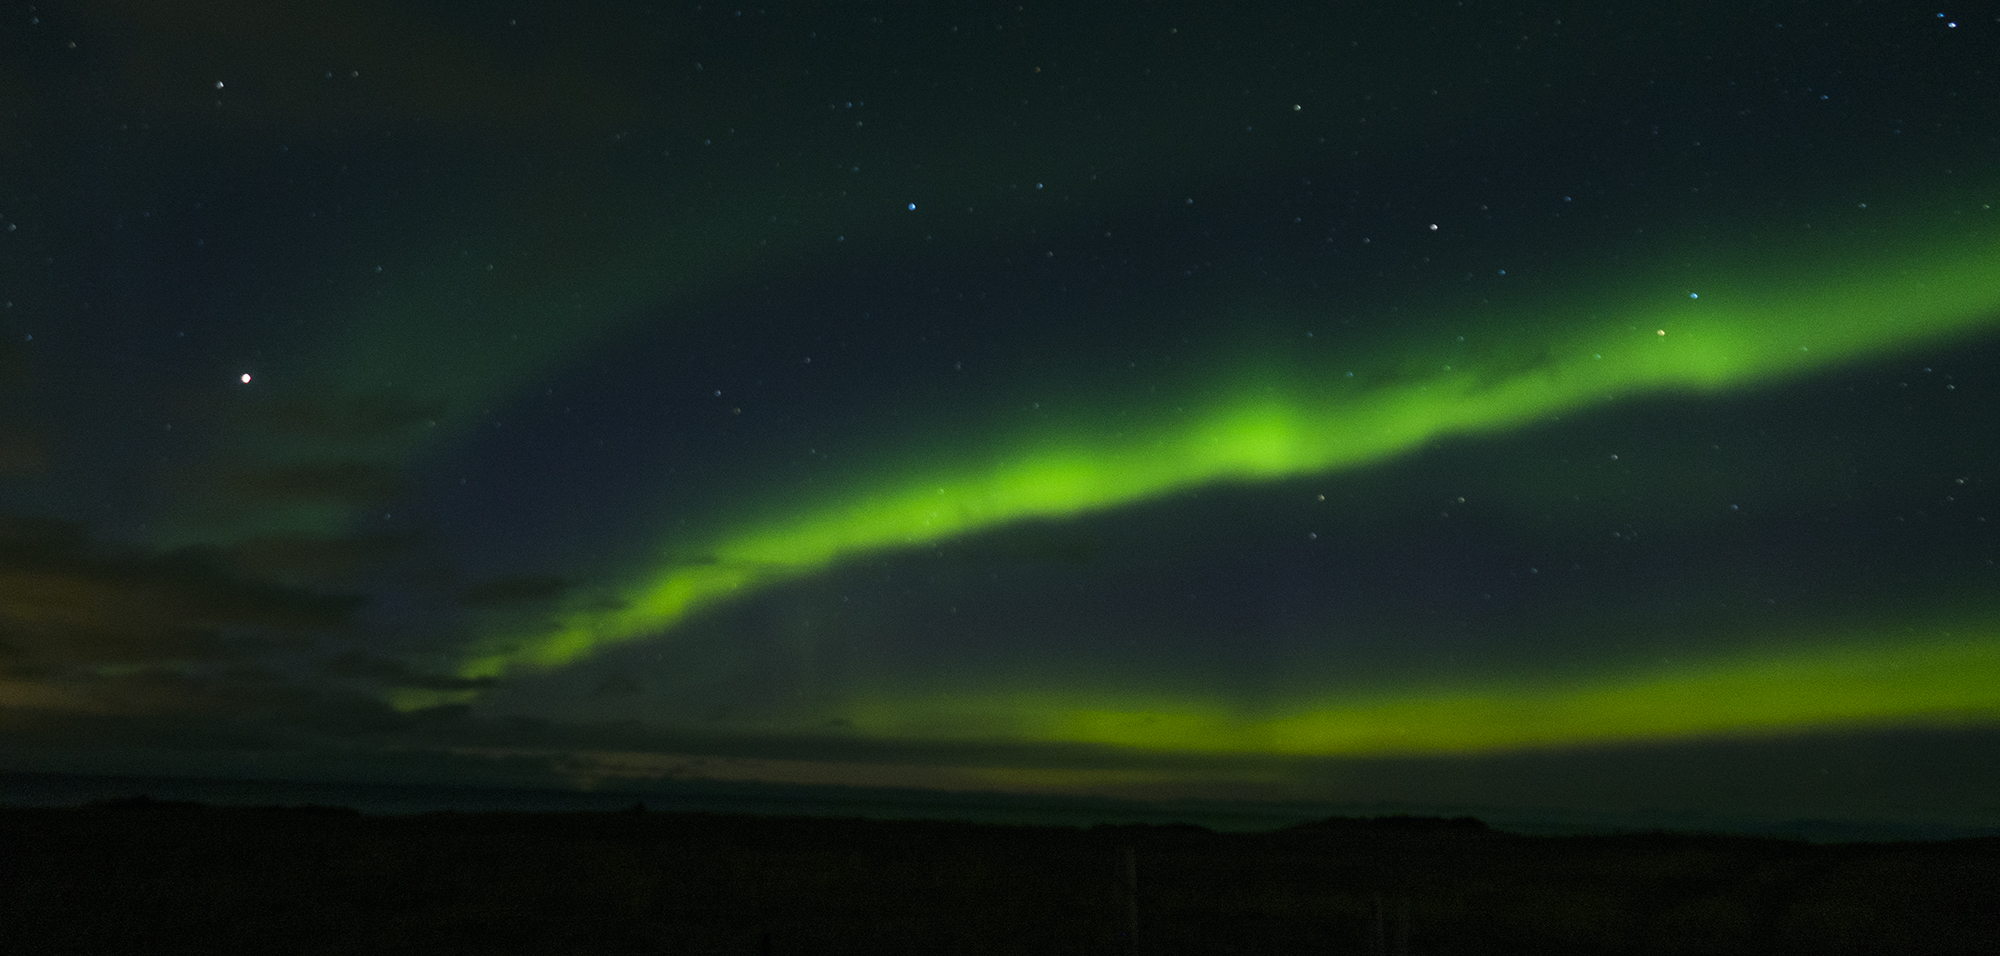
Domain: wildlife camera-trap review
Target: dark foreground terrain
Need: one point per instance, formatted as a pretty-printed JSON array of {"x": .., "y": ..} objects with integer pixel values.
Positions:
[{"x": 140, "y": 877}]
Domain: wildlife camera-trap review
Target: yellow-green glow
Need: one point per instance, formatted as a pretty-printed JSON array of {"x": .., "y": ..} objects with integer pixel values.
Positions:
[
  {"x": 1854, "y": 685},
  {"x": 1733, "y": 329}
]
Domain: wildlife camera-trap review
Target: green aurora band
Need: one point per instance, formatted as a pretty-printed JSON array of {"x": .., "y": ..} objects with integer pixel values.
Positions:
[
  {"x": 1696, "y": 333},
  {"x": 1950, "y": 681}
]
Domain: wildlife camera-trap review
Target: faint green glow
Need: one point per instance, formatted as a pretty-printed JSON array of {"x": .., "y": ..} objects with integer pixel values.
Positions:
[
  {"x": 1856, "y": 684},
  {"x": 1743, "y": 329}
]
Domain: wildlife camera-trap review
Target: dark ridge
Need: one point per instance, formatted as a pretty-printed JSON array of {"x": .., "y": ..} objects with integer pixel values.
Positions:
[
  {"x": 310, "y": 810},
  {"x": 140, "y": 801},
  {"x": 1163, "y": 829},
  {"x": 248, "y": 879},
  {"x": 1398, "y": 823},
  {"x": 144, "y": 802}
]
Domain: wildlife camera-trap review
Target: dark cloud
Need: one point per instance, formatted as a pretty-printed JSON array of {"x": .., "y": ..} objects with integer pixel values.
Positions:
[
  {"x": 21, "y": 450},
  {"x": 302, "y": 460},
  {"x": 358, "y": 418},
  {"x": 237, "y": 707},
  {"x": 349, "y": 483},
  {"x": 305, "y": 560},
  {"x": 618, "y": 685},
  {"x": 502, "y": 592},
  {"x": 388, "y": 672},
  {"x": 67, "y": 603}
]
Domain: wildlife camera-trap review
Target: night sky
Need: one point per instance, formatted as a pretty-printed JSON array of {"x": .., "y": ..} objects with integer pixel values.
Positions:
[{"x": 1442, "y": 403}]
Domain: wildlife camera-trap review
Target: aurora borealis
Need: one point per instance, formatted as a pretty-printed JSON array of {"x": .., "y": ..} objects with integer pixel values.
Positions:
[{"x": 1430, "y": 404}]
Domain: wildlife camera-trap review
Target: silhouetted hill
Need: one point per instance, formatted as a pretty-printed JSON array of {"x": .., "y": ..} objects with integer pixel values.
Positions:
[
  {"x": 161, "y": 877},
  {"x": 145, "y": 803},
  {"x": 1403, "y": 823}
]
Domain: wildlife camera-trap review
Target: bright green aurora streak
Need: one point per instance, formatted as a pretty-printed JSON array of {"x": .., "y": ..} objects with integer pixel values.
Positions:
[
  {"x": 1712, "y": 333},
  {"x": 1853, "y": 682}
]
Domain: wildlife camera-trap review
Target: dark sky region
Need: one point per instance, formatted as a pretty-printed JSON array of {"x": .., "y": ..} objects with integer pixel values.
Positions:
[{"x": 1576, "y": 406}]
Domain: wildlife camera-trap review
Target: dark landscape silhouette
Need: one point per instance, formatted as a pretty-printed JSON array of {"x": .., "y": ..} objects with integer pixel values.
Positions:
[{"x": 138, "y": 875}]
